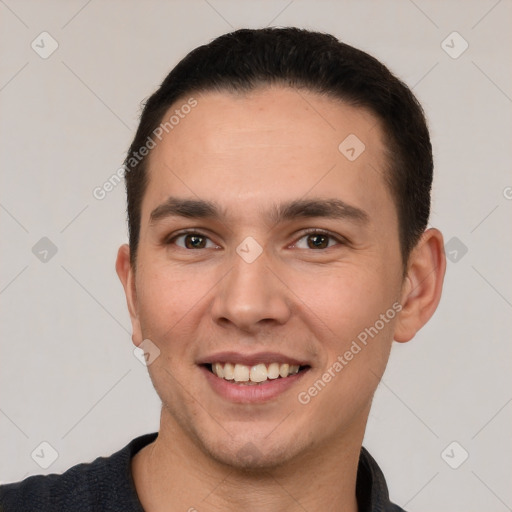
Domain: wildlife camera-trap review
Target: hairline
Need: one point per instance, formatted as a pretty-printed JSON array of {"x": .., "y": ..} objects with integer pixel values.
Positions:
[{"x": 390, "y": 161}]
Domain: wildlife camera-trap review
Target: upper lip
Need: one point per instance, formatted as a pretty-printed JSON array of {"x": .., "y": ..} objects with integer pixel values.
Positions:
[{"x": 250, "y": 359}]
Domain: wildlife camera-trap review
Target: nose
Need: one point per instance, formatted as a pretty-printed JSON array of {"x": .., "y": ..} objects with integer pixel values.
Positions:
[{"x": 251, "y": 296}]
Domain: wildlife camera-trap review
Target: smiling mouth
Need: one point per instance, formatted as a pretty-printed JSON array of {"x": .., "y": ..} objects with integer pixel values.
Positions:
[{"x": 254, "y": 375}]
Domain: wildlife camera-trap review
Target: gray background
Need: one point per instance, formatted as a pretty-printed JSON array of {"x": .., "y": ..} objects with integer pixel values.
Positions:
[{"x": 68, "y": 373}]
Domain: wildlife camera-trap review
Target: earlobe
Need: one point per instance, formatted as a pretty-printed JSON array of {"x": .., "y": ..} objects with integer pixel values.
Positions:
[
  {"x": 126, "y": 275},
  {"x": 421, "y": 291}
]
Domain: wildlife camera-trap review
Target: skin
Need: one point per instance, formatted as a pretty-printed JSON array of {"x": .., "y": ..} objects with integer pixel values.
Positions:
[{"x": 248, "y": 153}]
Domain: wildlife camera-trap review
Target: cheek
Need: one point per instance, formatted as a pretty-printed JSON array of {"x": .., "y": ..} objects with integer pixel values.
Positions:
[
  {"x": 168, "y": 298},
  {"x": 356, "y": 345},
  {"x": 351, "y": 314},
  {"x": 344, "y": 301}
]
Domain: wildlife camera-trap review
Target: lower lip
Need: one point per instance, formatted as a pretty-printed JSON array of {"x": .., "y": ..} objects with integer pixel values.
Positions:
[{"x": 250, "y": 394}]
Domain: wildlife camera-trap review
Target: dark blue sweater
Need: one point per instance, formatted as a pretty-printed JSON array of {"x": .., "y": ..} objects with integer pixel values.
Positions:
[{"x": 107, "y": 485}]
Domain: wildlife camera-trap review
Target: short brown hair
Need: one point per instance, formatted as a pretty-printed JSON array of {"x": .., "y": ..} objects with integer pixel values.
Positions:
[{"x": 249, "y": 58}]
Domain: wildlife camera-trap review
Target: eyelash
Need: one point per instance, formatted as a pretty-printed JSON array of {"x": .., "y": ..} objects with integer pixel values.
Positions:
[
  {"x": 308, "y": 232},
  {"x": 315, "y": 231}
]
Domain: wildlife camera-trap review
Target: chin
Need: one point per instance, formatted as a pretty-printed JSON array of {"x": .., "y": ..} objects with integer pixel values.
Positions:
[{"x": 251, "y": 453}]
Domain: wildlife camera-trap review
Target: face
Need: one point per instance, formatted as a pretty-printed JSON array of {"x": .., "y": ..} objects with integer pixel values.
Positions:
[{"x": 263, "y": 244}]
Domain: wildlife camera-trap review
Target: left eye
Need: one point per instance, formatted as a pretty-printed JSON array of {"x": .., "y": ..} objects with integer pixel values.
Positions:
[
  {"x": 193, "y": 241},
  {"x": 316, "y": 241}
]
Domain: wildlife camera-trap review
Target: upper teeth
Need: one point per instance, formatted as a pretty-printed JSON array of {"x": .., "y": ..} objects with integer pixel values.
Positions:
[{"x": 257, "y": 373}]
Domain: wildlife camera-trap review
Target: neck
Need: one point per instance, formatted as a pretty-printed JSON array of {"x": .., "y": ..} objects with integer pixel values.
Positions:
[{"x": 173, "y": 474}]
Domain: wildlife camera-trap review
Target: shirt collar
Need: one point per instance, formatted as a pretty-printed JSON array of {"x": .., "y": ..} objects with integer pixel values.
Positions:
[{"x": 371, "y": 489}]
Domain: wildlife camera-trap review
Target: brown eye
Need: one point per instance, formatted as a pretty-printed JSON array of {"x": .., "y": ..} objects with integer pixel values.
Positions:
[
  {"x": 318, "y": 241},
  {"x": 192, "y": 241},
  {"x": 195, "y": 242}
]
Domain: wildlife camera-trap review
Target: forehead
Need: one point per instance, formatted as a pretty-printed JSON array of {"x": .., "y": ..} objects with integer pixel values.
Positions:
[{"x": 267, "y": 146}]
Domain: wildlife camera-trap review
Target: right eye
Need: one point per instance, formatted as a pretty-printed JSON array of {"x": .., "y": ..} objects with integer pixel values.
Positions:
[{"x": 192, "y": 240}]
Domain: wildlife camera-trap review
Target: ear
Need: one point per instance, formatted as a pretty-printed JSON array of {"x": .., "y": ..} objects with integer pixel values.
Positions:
[
  {"x": 127, "y": 276},
  {"x": 421, "y": 291}
]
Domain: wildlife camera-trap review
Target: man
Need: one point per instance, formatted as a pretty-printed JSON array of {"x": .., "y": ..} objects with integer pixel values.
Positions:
[{"x": 278, "y": 197}]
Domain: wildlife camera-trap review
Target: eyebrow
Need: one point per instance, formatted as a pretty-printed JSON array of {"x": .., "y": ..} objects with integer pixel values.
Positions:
[
  {"x": 189, "y": 208},
  {"x": 299, "y": 208},
  {"x": 309, "y": 208}
]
